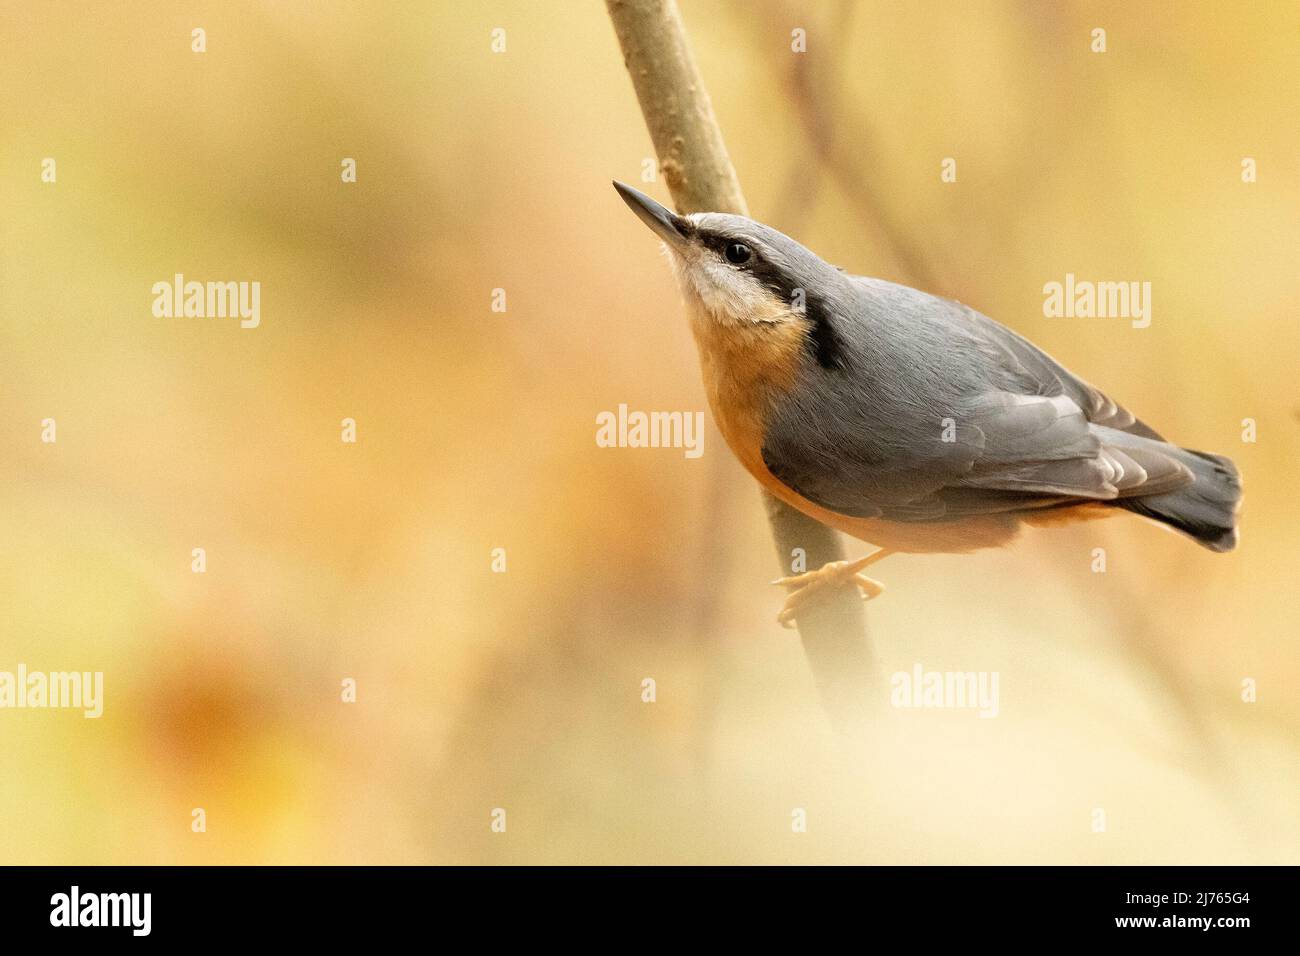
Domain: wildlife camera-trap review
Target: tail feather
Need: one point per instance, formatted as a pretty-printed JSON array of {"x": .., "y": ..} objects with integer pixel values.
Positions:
[{"x": 1206, "y": 509}]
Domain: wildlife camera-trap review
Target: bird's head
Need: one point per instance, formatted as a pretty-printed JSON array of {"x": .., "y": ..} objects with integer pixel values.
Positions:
[{"x": 742, "y": 274}]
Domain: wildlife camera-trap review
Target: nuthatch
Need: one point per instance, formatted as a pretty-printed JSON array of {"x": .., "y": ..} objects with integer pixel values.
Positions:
[{"x": 911, "y": 422}]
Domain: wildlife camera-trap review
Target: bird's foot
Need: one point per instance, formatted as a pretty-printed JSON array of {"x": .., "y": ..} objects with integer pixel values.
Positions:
[{"x": 811, "y": 588}]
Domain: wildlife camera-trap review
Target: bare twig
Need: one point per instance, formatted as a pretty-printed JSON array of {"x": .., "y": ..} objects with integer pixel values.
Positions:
[
  {"x": 701, "y": 178},
  {"x": 815, "y": 82}
]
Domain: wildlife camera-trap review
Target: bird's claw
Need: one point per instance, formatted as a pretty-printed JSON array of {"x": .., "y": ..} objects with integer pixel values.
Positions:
[{"x": 813, "y": 586}]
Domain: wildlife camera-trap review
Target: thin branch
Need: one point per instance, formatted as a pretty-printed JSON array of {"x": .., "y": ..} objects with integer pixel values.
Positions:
[
  {"x": 813, "y": 83},
  {"x": 701, "y": 178}
]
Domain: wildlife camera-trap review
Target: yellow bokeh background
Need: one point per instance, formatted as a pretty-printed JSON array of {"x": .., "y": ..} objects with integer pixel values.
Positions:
[{"x": 480, "y": 170}]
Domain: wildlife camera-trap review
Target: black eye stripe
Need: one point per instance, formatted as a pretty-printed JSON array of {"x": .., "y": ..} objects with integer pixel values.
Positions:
[
  {"x": 718, "y": 242},
  {"x": 754, "y": 262}
]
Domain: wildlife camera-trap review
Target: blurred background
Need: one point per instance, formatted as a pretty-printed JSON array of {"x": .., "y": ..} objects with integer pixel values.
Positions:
[{"x": 522, "y": 690}]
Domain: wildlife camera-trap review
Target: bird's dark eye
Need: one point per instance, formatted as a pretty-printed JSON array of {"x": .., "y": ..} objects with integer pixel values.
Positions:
[{"x": 737, "y": 253}]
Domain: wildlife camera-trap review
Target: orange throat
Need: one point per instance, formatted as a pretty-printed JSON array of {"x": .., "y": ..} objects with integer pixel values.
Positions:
[{"x": 746, "y": 366}]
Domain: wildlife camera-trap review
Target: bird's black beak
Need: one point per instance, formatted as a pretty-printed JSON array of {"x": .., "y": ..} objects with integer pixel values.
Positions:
[{"x": 667, "y": 225}]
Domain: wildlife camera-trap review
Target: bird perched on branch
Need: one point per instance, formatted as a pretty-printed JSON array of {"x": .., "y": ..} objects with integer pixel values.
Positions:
[{"x": 908, "y": 421}]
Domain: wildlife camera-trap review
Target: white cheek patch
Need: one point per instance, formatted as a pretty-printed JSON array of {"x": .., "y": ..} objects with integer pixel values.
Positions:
[{"x": 723, "y": 292}]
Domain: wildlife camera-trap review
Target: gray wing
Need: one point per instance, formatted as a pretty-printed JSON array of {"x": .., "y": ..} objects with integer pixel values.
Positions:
[
  {"x": 1050, "y": 377},
  {"x": 944, "y": 413}
]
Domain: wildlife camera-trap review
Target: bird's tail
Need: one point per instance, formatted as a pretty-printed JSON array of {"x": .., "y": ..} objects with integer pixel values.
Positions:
[{"x": 1206, "y": 509}]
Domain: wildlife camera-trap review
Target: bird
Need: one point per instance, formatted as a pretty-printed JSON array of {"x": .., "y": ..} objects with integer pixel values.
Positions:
[{"x": 905, "y": 420}]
